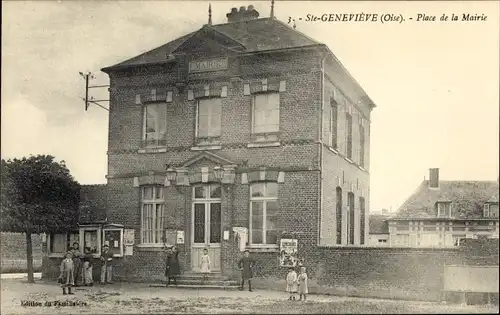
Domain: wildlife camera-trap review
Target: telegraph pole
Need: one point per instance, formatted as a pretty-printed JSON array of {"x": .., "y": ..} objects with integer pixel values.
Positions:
[{"x": 88, "y": 100}]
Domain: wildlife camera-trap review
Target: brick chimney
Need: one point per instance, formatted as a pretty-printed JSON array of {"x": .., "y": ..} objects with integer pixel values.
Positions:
[
  {"x": 434, "y": 178},
  {"x": 244, "y": 14}
]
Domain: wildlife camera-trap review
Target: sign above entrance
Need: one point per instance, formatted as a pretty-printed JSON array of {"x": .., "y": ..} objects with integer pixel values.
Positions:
[{"x": 208, "y": 65}]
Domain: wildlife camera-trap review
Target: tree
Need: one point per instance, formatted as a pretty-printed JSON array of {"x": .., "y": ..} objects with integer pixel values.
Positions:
[{"x": 38, "y": 195}]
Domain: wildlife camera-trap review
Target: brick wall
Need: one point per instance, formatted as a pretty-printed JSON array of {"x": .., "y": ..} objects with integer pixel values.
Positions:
[
  {"x": 404, "y": 273},
  {"x": 13, "y": 245},
  {"x": 13, "y": 252}
]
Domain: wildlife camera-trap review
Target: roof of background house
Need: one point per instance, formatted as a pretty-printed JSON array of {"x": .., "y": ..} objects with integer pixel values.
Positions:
[
  {"x": 378, "y": 224},
  {"x": 92, "y": 203},
  {"x": 467, "y": 197},
  {"x": 253, "y": 35}
]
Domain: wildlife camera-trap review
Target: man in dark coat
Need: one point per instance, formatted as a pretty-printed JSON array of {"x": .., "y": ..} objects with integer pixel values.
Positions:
[
  {"x": 246, "y": 264},
  {"x": 172, "y": 268}
]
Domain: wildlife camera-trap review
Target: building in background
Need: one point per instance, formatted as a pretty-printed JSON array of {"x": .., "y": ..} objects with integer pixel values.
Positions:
[
  {"x": 441, "y": 213},
  {"x": 379, "y": 228}
]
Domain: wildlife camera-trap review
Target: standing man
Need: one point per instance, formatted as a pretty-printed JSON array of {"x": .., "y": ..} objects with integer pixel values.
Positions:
[
  {"x": 246, "y": 264},
  {"x": 106, "y": 264},
  {"x": 77, "y": 264}
]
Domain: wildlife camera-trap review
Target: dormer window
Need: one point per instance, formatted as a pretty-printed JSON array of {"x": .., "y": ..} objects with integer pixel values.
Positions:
[
  {"x": 444, "y": 209},
  {"x": 486, "y": 210}
]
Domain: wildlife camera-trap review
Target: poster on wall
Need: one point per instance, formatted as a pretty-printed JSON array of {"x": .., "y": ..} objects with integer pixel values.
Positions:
[
  {"x": 90, "y": 241},
  {"x": 288, "y": 252},
  {"x": 112, "y": 237},
  {"x": 170, "y": 237},
  {"x": 129, "y": 236},
  {"x": 180, "y": 237}
]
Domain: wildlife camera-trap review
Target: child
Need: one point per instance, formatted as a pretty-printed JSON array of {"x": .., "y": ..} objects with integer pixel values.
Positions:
[
  {"x": 302, "y": 283},
  {"x": 66, "y": 277},
  {"x": 106, "y": 264},
  {"x": 291, "y": 283},
  {"x": 205, "y": 264},
  {"x": 87, "y": 268}
]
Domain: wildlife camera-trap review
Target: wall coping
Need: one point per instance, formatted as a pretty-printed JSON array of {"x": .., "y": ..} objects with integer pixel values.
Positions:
[{"x": 388, "y": 248}]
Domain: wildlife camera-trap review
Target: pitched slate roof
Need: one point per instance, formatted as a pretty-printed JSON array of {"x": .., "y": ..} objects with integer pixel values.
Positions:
[
  {"x": 92, "y": 203},
  {"x": 467, "y": 197},
  {"x": 254, "y": 35},
  {"x": 378, "y": 224}
]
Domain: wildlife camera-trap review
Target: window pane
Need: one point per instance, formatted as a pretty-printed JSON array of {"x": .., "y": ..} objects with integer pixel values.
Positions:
[
  {"x": 162, "y": 120},
  {"x": 215, "y": 223},
  {"x": 272, "y": 190},
  {"x": 203, "y": 107},
  {"x": 271, "y": 237},
  {"x": 200, "y": 192},
  {"x": 147, "y": 192},
  {"x": 216, "y": 106},
  {"x": 257, "y": 215},
  {"x": 215, "y": 191},
  {"x": 158, "y": 192},
  {"x": 273, "y": 101},
  {"x": 159, "y": 224},
  {"x": 273, "y": 120},
  {"x": 58, "y": 243},
  {"x": 203, "y": 126},
  {"x": 215, "y": 125},
  {"x": 257, "y": 190},
  {"x": 256, "y": 236},
  {"x": 199, "y": 223},
  {"x": 259, "y": 119},
  {"x": 271, "y": 208},
  {"x": 260, "y": 102}
]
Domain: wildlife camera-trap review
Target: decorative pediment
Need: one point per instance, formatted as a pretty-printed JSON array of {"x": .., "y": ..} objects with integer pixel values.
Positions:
[
  {"x": 208, "y": 158},
  {"x": 209, "y": 41}
]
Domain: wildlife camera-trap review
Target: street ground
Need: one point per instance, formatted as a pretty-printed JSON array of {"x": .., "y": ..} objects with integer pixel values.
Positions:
[{"x": 143, "y": 299}]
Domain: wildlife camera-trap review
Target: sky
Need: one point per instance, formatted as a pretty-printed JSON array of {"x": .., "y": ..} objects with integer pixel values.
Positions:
[{"x": 436, "y": 84}]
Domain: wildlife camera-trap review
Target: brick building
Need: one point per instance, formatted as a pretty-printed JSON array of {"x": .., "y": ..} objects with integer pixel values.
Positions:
[
  {"x": 441, "y": 213},
  {"x": 233, "y": 136}
]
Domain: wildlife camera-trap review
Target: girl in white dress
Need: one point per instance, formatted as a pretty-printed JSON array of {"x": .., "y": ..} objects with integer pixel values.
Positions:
[
  {"x": 292, "y": 283},
  {"x": 205, "y": 264}
]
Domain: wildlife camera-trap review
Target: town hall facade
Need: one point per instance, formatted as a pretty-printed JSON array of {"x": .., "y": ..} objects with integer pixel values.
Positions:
[{"x": 229, "y": 138}]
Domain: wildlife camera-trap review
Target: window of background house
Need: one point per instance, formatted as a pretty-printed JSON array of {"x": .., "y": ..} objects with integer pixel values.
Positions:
[
  {"x": 333, "y": 123},
  {"x": 209, "y": 118},
  {"x": 486, "y": 211},
  {"x": 152, "y": 214},
  {"x": 494, "y": 210},
  {"x": 155, "y": 124},
  {"x": 349, "y": 135},
  {"x": 263, "y": 213},
  {"x": 444, "y": 209},
  {"x": 266, "y": 113}
]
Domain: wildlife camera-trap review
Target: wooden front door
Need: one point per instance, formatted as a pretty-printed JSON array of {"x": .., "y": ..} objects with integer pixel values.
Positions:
[{"x": 206, "y": 225}]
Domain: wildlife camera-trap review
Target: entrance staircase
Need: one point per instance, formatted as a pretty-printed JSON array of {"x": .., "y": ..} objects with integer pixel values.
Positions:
[{"x": 194, "y": 280}]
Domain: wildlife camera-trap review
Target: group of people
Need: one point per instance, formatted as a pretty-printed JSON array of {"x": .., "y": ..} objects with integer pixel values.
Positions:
[
  {"x": 297, "y": 283},
  {"x": 76, "y": 269}
]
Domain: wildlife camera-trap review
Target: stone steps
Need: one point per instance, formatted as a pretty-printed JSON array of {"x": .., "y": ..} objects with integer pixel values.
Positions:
[
  {"x": 214, "y": 280},
  {"x": 199, "y": 286}
]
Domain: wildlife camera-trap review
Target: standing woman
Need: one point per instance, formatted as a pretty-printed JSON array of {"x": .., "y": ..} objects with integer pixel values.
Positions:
[{"x": 173, "y": 268}]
